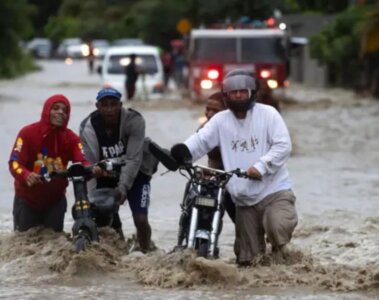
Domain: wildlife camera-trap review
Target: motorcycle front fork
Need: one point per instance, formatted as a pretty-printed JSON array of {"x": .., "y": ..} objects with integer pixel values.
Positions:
[{"x": 213, "y": 234}]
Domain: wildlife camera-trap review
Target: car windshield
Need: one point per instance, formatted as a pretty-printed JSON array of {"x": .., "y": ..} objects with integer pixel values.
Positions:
[
  {"x": 146, "y": 62},
  {"x": 224, "y": 50}
]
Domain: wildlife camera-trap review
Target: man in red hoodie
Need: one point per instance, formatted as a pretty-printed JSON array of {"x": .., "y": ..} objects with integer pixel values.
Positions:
[{"x": 40, "y": 148}]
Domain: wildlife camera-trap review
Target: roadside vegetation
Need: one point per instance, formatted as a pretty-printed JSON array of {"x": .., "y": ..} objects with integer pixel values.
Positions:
[{"x": 348, "y": 47}]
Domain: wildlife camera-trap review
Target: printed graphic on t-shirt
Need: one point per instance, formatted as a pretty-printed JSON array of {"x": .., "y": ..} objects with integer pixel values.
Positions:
[
  {"x": 19, "y": 144},
  {"x": 113, "y": 151},
  {"x": 45, "y": 164},
  {"x": 145, "y": 198},
  {"x": 42, "y": 165},
  {"x": 248, "y": 145},
  {"x": 80, "y": 146}
]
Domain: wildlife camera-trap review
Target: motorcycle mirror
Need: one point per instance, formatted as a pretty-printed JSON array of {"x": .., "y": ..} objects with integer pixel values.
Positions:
[
  {"x": 181, "y": 154},
  {"x": 164, "y": 156}
]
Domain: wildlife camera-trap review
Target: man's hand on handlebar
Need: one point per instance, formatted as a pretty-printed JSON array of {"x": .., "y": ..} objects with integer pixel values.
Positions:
[
  {"x": 99, "y": 172},
  {"x": 33, "y": 179},
  {"x": 253, "y": 173}
]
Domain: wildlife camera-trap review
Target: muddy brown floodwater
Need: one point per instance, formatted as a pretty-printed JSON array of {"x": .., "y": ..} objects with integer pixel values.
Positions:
[{"x": 334, "y": 253}]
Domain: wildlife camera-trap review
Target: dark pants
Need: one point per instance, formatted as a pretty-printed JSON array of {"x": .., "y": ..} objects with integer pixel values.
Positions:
[
  {"x": 130, "y": 90},
  {"x": 26, "y": 217},
  {"x": 230, "y": 207}
]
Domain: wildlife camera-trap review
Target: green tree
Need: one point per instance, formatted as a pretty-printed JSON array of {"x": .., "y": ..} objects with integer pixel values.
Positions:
[
  {"x": 14, "y": 26},
  {"x": 42, "y": 11},
  {"x": 337, "y": 46},
  {"x": 59, "y": 28}
]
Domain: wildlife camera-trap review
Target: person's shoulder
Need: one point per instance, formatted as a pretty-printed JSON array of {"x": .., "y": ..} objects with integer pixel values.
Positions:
[
  {"x": 268, "y": 112},
  {"x": 87, "y": 120},
  {"x": 222, "y": 115},
  {"x": 69, "y": 132},
  {"x": 133, "y": 112},
  {"x": 265, "y": 108},
  {"x": 30, "y": 128},
  {"x": 131, "y": 116}
]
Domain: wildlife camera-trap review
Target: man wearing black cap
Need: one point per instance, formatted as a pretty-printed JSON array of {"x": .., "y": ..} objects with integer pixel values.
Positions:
[{"x": 115, "y": 132}]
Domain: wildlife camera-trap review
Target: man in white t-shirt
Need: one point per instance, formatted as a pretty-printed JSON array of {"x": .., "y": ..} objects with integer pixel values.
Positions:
[{"x": 252, "y": 137}]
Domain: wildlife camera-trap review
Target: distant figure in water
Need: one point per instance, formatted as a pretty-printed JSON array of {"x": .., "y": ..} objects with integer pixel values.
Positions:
[{"x": 131, "y": 73}]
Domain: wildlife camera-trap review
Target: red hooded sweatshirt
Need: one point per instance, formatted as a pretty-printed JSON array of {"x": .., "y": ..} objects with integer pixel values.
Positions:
[{"x": 43, "y": 148}]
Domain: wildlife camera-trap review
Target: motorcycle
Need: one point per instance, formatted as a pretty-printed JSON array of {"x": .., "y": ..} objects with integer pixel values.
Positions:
[
  {"x": 202, "y": 208},
  {"x": 86, "y": 207}
]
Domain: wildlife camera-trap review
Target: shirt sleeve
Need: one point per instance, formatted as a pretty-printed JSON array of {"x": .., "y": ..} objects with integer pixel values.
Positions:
[
  {"x": 204, "y": 140},
  {"x": 18, "y": 158},
  {"x": 77, "y": 150},
  {"x": 89, "y": 141},
  {"x": 134, "y": 153},
  {"x": 280, "y": 149}
]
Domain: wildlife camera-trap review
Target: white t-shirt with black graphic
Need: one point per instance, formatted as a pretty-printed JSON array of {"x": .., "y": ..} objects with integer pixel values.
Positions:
[{"x": 261, "y": 140}]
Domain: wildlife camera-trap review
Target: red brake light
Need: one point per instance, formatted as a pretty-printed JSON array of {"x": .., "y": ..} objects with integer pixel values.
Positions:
[
  {"x": 265, "y": 74},
  {"x": 213, "y": 74},
  {"x": 270, "y": 22}
]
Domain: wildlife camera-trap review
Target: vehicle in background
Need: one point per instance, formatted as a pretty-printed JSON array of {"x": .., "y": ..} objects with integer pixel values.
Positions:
[
  {"x": 150, "y": 80},
  {"x": 128, "y": 42},
  {"x": 40, "y": 47},
  {"x": 70, "y": 47},
  {"x": 100, "y": 48},
  {"x": 214, "y": 52}
]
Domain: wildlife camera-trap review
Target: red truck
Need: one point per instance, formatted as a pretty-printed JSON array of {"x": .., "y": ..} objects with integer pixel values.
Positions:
[{"x": 214, "y": 52}]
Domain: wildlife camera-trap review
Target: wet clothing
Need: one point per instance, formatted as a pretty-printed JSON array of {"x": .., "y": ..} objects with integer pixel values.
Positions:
[
  {"x": 275, "y": 216},
  {"x": 110, "y": 147},
  {"x": 129, "y": 144},
  {"x": 26, "y": 217},
  {"x": 263, "y": 207},
  {"x": 260, "y": 140},
  {"x": 139, "y": 195},
  {"x": 132, "y": 136},
  {"x": 43, "y": 148}
]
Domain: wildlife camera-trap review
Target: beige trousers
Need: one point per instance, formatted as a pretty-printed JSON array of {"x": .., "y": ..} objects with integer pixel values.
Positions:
[{"x": 275, "y": 216}]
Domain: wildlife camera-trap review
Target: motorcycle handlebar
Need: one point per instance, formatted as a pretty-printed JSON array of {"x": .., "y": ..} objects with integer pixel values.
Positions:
[
  {"x": 77, "y": 169},
  {"x": 192, "y": 168}
]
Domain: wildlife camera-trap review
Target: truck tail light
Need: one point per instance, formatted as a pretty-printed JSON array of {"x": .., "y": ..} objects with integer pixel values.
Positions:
[
  {"x": 213, "y": 74},
  {"x": 265, "y": 73}
]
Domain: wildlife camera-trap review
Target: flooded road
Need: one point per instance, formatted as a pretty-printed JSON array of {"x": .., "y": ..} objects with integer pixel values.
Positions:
[{"x": 334, "y": 169}]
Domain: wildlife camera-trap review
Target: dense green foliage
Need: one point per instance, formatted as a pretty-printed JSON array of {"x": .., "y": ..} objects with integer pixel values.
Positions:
[
  {"x": 152, "y": 20},
  {"x": 14, "y": 26},
  {"x": 155, "y": 21},
  {"x": 338, "y": 45}
]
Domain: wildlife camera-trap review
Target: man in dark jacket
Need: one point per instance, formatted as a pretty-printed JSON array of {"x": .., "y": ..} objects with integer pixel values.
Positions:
[
  {"x": 131, "y": 72},
  {"x": 40, "y": 148},
  {"x": 115, "y": 132}
]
